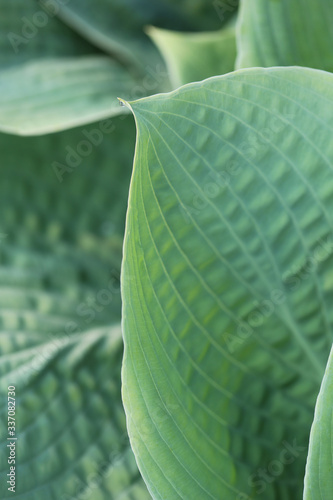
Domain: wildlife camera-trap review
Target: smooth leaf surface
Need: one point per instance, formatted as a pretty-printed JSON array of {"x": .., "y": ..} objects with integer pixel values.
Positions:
[
  {"x": 318, "y": 483},
  {"x": 285, "y": 33},
  {"x": 227, "y": 283},
  {"x": 27, "y": 32},
  {"x": 191, "y": 57},
  {"x": 62, "y": 93}
]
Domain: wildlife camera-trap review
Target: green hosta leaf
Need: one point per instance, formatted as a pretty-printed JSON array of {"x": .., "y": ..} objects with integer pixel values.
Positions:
[
  {"x": 70, "y": 425},
  {"x": 90, "y": 287},
  {"x": 114, "y": 27},
  {"x": 192, "y": 57},
  {"x": 285, "y": 33},
  {"x": 117, "y": 25},
  {"x": 61, "y": 93},
  {"x": 28, "y": 32},
  {"x": 318, "y": 478},
  {"x": 68, "y": 190},
  {"x": 227, "y": 283},
  {"x": 60, "y": 249},
  {"x": 66, "y": 208}
]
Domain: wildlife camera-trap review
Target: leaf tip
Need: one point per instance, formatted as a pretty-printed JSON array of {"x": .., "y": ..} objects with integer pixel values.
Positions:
[
  {"x": 148, "y": 29},
  {"x": 127, "y": 104},
  {"x": 122, "y": 102}
]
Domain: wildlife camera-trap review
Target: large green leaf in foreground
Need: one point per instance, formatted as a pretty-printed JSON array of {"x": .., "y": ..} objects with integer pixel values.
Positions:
[
  {"x": 319, "y": 478},
  {"x": 227, "y": 283},
  {"x": 285, "y": 33}
]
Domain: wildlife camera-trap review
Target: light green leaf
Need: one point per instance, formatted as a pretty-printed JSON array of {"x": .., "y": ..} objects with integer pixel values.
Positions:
[
  {"x": 285, "y": 33},
  {"x": 227, "y": 283},
  {"x": 194, "y": 56},
  {"x": 27, "y": 32},
  {"x": 318, "y": 483},
  {"x": 52, "y": 95}
]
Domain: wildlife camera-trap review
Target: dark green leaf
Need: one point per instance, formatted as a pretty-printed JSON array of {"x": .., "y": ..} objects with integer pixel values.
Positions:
[
  {"x": 27, "y": 32},
  {"x": 117, "y": 25},
  {"x": 61, "y": 347}
]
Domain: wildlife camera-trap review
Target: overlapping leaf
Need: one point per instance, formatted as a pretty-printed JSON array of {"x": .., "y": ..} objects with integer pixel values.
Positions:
[
  {"x": 68, "y": 190},
  {"x": 117, "y": 26},
  {"x": 62, "y": 218},
  {"x": 27, "y": 32},
  {"x": 45, "y": 89},
  {"x": 192, "y": 57},
  {"x": 62, "y": 93},
  {"x": 285, "y": 33},
  {"x": 70, "y": 425},
  {"x": 48, "y": 95},
  {"x": 227, "y": 283}
]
